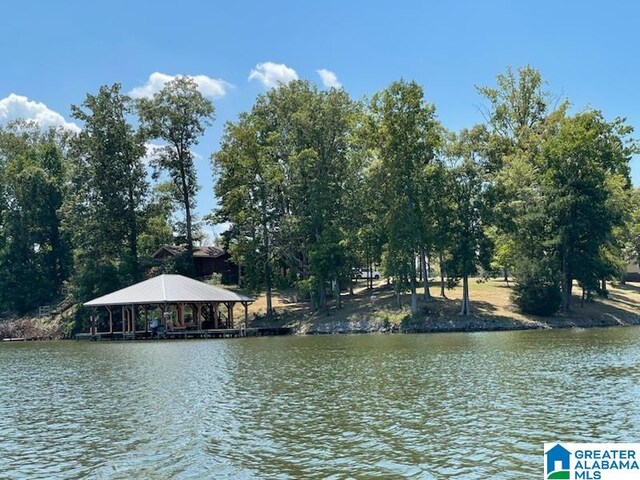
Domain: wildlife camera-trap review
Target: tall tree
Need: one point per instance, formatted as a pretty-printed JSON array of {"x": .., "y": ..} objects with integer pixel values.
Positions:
[
  {"x": 404, "y": 136},
  {"x": 178, "y": 115},
  {"x": 470, "y": 247},
  {"x": 583, "y": 165},
  {"x": 248, "y": 187},
  {"x": 34, "y": 259},
  {"x": 283, "y": 176},
  {"x": 109, "y": 194}
]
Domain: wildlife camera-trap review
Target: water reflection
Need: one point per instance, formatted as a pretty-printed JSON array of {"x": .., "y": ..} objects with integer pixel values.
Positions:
[{"x": 379, "y": 406}]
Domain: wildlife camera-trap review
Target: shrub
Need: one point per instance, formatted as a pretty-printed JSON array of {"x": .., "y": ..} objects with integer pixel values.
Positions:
[{"x": 537, "y": 295}]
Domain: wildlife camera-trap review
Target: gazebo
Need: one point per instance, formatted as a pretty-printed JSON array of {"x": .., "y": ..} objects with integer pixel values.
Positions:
[{"x": 187, "y": 307}]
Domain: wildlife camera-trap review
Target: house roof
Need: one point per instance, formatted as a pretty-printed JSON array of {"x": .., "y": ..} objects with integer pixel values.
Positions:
[
  {"x": 167, "y": 289},
  {"x": 558, "y": 450},
  {"x": 205, "y": 252}
]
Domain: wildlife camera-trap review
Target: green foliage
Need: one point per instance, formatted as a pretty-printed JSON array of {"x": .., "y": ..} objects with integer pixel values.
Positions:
[
  {"x": 585, "y": 168},
  {"x": 313, "y": 184},
  {"x": 103, "y": 212},
  {"x": 178, "y": 115},
  {"x": 403, "y": 135},
  {"x": 34, "y": 252},
  {"x": 537, "y": 293},
  {"x": 282, "y": 173}
]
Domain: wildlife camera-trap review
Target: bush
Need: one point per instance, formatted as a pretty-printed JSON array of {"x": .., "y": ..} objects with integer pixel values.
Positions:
[{"x": 537, "y": 295}]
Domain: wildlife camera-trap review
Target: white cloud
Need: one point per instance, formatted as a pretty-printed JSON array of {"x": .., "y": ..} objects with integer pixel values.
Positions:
[
  {"x": 15, "y": 106},
  {"x": 329, "y": 79},
  {"x": 272, "y": 74},
  {"x": 209, "y": 87},
  {"x": 152, "y": 152}
]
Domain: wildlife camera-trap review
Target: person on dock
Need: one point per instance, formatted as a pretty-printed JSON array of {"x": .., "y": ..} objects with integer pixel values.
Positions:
[{"x": 154, "y": 327}]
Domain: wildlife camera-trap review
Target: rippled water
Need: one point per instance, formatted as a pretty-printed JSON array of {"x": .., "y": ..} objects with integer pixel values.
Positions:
[{"x": 371, "y": 406}]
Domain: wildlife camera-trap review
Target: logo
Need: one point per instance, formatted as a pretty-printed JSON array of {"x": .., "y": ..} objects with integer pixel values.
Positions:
[
  {"x": 592, "y": 461},
  {"x": 558, "y": 463}
]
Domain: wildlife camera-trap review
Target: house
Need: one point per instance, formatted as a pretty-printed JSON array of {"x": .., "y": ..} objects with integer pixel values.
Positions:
[
  {"x": 206, "y": 261},
  {"x": 633, "y": 271},
  {"x": 558, "y": 459}
]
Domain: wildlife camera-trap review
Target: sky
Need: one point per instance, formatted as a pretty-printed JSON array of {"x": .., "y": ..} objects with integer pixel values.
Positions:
[{"x": 53, "y": 53}]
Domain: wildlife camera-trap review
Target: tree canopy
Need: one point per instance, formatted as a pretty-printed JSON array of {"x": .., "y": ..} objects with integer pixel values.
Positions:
[{"x": 314, "y": 186}]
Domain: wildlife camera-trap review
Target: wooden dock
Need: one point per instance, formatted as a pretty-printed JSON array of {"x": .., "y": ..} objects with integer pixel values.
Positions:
[{"x": 186, "y": 333}]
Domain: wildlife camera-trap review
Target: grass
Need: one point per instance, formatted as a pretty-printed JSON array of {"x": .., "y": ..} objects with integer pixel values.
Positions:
[{"x": 490, "y": 302}]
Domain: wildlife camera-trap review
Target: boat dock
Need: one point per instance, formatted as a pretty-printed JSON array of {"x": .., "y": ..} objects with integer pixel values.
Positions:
[{"x": 184, "y": 334}]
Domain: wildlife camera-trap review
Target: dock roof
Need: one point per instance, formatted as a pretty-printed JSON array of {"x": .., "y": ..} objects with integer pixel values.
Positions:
[{"x": 168, "y": 289}]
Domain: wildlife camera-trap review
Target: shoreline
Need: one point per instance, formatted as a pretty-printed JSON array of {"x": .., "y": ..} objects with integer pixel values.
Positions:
[{"x": 470, "y": 324}]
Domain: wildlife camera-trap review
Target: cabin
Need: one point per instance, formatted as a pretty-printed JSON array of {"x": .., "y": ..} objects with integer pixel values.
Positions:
[{"x": 206, "y": 261}]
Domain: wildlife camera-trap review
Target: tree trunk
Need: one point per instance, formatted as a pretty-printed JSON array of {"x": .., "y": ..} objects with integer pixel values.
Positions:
[
  {"x": 567, "y": 282},
  {"x": 466, "y": 304},
  {"x": 322, "y": 295},
  {"x": 414, "y": 293},
  {"x": 567, "y": 271},
  {"x": 604, "y": 285},
  {"x": 506, "y": 276},
  {"x": 337, "y": 293},
  {"x": 425, "y": 278},
  {"x": 187, "y": 207},
  {"x": 396, "y": 288},
  {"x": 133, "y": 237},
  {"x": 567, "y": 285},
  {"x": 442, "y": 274},
  {"x": 267, "y": 266}
]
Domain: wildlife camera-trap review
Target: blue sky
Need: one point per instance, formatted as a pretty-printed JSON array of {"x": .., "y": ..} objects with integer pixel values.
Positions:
[{"x": 53, "y": 53}]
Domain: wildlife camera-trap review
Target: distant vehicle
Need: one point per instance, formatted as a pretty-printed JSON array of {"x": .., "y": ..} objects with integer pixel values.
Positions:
[{"x": 366, "y": 273}]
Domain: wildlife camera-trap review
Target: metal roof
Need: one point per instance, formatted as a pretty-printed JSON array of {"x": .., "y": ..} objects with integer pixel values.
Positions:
[{"x": 167, "y": 289}]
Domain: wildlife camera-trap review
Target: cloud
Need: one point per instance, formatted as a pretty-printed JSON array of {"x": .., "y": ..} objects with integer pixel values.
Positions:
[
  {"x": 272, "y": 74},
  {"x": 152, "y": 152},
  {"x": 15, "y": 106},
  {"x": 209, "y": 87},
  {"x": 329, "y": 79}
]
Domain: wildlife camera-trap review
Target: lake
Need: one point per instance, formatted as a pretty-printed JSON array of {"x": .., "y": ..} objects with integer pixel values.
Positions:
[{"x": 458, "y": 405}]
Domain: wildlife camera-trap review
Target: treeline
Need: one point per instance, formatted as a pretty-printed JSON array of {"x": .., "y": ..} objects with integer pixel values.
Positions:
[
  {"x": 313, "y": 184},
  {"x": 79, "y": 214}
]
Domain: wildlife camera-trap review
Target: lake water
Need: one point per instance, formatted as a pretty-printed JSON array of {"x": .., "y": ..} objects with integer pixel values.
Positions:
[{"x": 461, "y": 406}]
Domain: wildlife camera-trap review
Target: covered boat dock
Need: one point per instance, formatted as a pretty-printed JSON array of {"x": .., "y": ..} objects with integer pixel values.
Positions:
[{"x": 169, "y": 306}]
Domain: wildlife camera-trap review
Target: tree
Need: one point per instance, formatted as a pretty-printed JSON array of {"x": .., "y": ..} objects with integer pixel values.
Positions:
[
  {"x": 404, "y": 134},
  {"x": 157, "y": 220},
  {"x": 178, "y": 114},
  {"x": 283, "y": 175},
  {"x": 248, "y": 187},
  {"x": 109, "y": 194},
  {"x": 470, "y": 246},
  {"x": 583, "y": 165},
  {"x": 34, "y": 259},
  {"x": 441, "y": 209}
]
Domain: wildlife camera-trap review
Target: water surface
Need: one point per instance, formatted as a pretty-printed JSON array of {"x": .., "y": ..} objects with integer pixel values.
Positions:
[{"x": 461, "y": 406}]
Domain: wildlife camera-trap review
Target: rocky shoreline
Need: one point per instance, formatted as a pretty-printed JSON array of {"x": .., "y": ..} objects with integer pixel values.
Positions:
[
  {"x": 471, "y": 323},
  {"x": 43, "y": 329}
]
